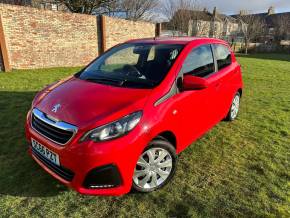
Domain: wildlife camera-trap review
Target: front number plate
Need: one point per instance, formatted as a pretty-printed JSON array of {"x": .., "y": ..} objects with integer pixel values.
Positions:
[{"x": 45, "y": 152}]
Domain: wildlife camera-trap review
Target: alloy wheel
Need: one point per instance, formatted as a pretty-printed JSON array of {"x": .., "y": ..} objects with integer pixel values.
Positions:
[
  {"x": 153, "y": 168},
  {"x": 235, "y": 107}
]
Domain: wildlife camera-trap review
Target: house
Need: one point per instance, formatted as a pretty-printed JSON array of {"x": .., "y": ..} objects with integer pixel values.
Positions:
[
  {"x": 213, "y": 24},
  {"x": 48, "y": 4},
  {"x": 277, "y": 25},
  {"x": 205, "y": 24},
  {"x": 44, "y": 4}
]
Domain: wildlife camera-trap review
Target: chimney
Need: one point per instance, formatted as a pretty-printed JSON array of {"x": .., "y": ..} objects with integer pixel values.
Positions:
[
  {"x": 214, "y": 13},
  {"x": 243, "y": 12},
  {"x": 271, "y": 10}
]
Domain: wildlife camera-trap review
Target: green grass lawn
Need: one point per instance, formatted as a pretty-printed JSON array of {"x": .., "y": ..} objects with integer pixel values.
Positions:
[{"x": 238, "y": 169}]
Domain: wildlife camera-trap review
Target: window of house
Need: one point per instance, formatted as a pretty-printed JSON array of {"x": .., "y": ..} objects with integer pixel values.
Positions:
[
  {"x": 223, "y": 56},
  {"x": 54, "y": 7},
  {"x": 199, "y": 62},
  {"x": 42, "y": 5}
]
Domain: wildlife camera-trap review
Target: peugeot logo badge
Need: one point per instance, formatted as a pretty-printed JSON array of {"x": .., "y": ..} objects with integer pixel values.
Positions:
[{"x": 56, "y": 107}]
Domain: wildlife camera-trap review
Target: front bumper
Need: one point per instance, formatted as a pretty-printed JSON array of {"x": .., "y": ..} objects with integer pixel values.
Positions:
[{"x": 81, "y": 162}]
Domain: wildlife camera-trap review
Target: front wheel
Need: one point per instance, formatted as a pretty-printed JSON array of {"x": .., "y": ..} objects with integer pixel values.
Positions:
[
  {"x": 234, "y": 109},
  {"x": 155, "y": 166}
]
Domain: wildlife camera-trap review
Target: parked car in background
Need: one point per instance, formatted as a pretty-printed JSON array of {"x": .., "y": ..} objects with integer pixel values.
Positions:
[{"x": 122, "y": 121}]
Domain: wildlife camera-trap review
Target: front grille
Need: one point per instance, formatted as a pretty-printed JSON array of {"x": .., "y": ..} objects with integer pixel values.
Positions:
[
  {"x": 57, "y": 131},
  {"x": 64, "y": 173}
]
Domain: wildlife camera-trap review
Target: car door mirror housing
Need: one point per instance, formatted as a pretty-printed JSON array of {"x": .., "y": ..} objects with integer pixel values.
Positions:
[{"x": 193, "y": 83}]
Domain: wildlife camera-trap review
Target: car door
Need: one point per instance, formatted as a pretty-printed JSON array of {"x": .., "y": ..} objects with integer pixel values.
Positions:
[
  {"x": 194, "y": 106},
  {"x": 225, "y": 86}
]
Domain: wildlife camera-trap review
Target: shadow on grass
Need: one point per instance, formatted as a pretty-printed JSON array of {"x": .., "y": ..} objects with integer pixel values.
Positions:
[
  {"x": 19, "y": 174},
  {"x": 267, "y": 56}
]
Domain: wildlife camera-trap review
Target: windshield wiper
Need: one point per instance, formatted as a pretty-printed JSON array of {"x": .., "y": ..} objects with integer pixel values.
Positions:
[
  {"x": 104, "y": 80},
  {"x": 138, "y": 83},
  {"x": 122, "y": 82}
]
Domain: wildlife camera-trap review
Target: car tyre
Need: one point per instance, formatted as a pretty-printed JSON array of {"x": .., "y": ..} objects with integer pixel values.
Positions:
[
  {"x": 155, "y": 167},
  {"x": 234, "y": 109}
]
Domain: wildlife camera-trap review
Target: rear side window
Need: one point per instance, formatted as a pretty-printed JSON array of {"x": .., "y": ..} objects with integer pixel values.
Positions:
[
  {"x": 223, "y": 56},
  {"x": 199, "y": 62}
]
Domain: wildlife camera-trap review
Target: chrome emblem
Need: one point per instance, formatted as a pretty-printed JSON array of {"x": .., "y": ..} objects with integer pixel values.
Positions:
[{"x": 56, "y": 107}]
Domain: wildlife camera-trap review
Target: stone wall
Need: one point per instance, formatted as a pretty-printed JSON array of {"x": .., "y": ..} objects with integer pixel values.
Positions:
[
  {"x": 38, "y": 38},
  {"x": 217, "y": 29},
  {"x": 199, "y": 28},
  {"x": 231, "y": 28},
  {"x": 120, "y": 30}
]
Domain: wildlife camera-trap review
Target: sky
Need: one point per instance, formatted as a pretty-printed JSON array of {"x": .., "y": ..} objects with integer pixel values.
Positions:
[{"x": 255, "y": 6}]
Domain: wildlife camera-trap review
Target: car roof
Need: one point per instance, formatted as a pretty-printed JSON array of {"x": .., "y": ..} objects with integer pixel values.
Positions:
[{"x": 176, "y": 40}]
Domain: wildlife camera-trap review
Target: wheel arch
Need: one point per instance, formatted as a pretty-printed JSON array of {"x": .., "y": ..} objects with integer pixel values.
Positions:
[
  {"x": 169, "y": 136},
  {"x": 240, "y": 90}
]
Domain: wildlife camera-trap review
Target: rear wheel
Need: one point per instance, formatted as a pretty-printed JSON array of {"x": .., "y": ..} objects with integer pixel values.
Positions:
[
  {"x": 234, "y": 109},
  {"x": 155, "y": 166}
]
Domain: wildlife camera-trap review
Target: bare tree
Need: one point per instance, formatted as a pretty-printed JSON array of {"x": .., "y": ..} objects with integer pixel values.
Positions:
[
  {"x": 200, "y": 27},
  {"x": 252, "y": 27},
  {"x": 86, "y": 6},
  {"x": 137, "y": 9},
  {"x": 180, "y": 14}
]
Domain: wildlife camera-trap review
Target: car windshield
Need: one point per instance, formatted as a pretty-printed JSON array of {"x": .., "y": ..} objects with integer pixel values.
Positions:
[{"x": 133, "y": 65}]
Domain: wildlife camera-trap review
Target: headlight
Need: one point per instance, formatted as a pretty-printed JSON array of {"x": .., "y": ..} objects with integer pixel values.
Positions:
[{"x": 114, "y": 129}]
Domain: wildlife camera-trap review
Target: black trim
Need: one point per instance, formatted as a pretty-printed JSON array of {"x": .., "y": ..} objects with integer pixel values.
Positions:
[
  {"x": 103, "y": 177},
  {"x": 51, "y": 132},
  {"x": 214, "y": 59},
  {"x": 173, "y": 91},
  {"x": 62, "y": 172}
]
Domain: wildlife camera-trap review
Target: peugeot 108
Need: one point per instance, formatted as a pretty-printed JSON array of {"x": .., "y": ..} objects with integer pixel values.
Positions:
[{"x": 121, "y": 121}]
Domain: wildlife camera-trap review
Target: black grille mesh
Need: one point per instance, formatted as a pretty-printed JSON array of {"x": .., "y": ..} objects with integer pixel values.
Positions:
[{"x": 55, "y": 134}]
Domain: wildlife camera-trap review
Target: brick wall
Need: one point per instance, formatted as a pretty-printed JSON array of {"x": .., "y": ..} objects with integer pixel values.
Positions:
[
  {"x": 120, "y": 30},
  {"x": 38, "y": 38}
]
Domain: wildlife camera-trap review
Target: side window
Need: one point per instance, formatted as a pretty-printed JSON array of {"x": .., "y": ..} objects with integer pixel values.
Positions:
[
  {"x": 223, "y": 56},
  {"x": 199, "y": 62}
]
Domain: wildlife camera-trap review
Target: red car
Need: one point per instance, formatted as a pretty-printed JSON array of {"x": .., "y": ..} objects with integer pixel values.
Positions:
[{"x": 121, "y": 121}]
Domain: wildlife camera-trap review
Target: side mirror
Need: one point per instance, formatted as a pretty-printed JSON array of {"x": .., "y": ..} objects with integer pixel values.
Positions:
[{"x": 193, "y": 83}]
